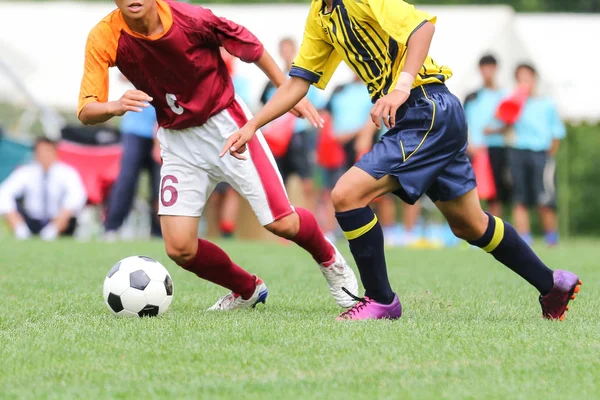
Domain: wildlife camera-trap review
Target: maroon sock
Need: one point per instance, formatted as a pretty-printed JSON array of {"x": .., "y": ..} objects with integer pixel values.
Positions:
[
  {"x": 214, "y": 265},
  {"x": 311, "y": 239}
]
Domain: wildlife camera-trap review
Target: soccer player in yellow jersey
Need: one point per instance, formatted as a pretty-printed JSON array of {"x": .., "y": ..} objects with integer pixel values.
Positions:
[{"x": 386, "y": 42}]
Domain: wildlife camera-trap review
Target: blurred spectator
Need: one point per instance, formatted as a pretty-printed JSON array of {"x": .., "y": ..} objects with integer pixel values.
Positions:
[
  {"x": 43, "y": 197},
  {"x": 486, "y": 133},
  {"x": 297, "y": 159},
  {"x": 538, "y": 132},
  {"x": 137, "y": 138}
]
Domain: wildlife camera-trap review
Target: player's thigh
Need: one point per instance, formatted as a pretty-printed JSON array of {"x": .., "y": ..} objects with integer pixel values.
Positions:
[
  {"x": 258, "y": 180},
  {"x": 357, "y": 188},
  {"x": 464, "y": 215},
  {"x": 184, "y": 191}
]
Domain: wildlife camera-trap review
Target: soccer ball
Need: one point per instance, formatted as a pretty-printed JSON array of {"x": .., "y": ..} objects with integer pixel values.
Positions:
[{"x": 138, "y": 286}]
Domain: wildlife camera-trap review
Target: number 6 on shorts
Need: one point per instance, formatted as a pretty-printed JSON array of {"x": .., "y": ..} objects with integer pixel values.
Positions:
[{"x": 166, "y": 185}]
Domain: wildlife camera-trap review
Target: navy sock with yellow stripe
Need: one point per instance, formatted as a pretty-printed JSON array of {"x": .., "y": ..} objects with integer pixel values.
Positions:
[
  {"x": 365, "y": 237},
  {"x": 503, "y": 242}
]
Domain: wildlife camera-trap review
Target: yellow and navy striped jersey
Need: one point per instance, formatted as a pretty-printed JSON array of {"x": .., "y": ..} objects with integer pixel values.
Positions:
[{"x": 371, "y": 36}]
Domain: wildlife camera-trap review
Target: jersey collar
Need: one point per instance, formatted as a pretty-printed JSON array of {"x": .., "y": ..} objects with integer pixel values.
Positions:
[{"x": 334, "y": 4}]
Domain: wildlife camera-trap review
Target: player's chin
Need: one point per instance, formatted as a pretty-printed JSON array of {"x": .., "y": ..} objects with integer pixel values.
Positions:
[{"x": 133, "y": 15}]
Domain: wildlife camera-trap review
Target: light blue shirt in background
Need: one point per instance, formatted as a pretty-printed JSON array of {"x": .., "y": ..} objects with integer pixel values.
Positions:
[
  {"x": 538, "y": 125},
  {"x": 350, "y": 107},
  {"x": 141, "y": 124},
  {"x": 241, "y": 85},
  {"x": 481, "y": 113}
]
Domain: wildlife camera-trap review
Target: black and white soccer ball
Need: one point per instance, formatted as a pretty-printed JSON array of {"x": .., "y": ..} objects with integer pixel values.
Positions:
[{"x": 138, "y": 286}]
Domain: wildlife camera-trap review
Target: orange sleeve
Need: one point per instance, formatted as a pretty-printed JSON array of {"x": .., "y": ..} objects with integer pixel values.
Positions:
[{"x": 100, "y": 54}]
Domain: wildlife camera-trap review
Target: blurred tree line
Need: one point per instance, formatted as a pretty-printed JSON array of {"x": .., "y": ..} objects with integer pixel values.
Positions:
[
  {"x": 528, "y": 5},
  {"x": 519, "y": 5},
  {"x": 582, "y": 6}
]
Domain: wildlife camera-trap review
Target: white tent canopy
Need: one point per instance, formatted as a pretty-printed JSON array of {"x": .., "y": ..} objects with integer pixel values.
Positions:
[{"x": 49, "y": 59}]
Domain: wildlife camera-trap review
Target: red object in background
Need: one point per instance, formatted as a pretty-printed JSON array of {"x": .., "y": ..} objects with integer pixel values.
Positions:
[
  {"x": 278, "y": 134},
  {"x": 486, "y": 187},
  {"x": 330, "y": 153},
  {"x": 98, "y": 166},
  {"x": 510, "y": 108}
]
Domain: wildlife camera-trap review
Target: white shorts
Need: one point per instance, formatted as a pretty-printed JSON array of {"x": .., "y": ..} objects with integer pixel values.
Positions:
[{"x": 192, "y": 168}]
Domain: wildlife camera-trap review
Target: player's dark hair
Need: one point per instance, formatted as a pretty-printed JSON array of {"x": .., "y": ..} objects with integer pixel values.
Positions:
[
  {"x": 526, "y": 66},
  {"x": 43, "y": 140},
  {"x": 488, "y": 59}
]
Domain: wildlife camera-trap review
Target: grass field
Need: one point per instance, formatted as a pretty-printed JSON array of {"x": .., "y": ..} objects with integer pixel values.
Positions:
[{"x": 471, "y": 330}]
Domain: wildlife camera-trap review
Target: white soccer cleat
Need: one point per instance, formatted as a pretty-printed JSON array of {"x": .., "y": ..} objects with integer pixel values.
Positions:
[
  {"x": 339, "y": 275},
  {"x": 234, "y": 301}
]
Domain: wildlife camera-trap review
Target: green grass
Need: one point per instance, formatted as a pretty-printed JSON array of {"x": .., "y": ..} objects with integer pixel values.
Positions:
[{"x": 471, "y": 330}]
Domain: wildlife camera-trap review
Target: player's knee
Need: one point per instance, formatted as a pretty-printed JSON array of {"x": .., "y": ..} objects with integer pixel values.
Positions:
[
  {"x": 286, "y": 227},
  {"x": 344, "y": 197},
  {"x": 181, "y": 253},
  {"x": 460, "y": 231},
  {"x": 470, "y": 229}
]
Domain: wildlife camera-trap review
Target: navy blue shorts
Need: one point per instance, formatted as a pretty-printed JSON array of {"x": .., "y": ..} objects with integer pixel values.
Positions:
[{"x": 426, "y": 149}]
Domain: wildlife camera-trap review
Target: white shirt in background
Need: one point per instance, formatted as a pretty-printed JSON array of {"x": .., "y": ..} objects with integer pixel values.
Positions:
[{"x": 45, "y": 193}]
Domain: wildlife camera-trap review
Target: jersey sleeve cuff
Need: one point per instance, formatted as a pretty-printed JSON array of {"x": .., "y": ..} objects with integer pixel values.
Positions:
[
  {"x": 305, "y": 74},
  {"x": 255, "y": 55},
  {"x": 416, "y": 29}
]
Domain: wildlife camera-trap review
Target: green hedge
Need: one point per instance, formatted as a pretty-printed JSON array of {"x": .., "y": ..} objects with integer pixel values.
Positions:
[{"x": 578, "y": 182}]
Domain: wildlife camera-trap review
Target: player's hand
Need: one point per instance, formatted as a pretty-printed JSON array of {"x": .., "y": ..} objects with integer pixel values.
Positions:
[
  {"x": 132, "y": 100},
  {"x": 236, "y": 144},
  {"x": 304, "y": 109},
  {"x": 386, "y": 108}
]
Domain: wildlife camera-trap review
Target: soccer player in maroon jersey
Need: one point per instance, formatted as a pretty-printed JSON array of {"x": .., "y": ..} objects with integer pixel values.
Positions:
[{"x": 170, "y": 51}]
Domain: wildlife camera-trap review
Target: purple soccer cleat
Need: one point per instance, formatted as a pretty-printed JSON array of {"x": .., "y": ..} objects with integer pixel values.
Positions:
[
  {"x": 366, "y": 308},
  {"x": 556, "y": 303}
]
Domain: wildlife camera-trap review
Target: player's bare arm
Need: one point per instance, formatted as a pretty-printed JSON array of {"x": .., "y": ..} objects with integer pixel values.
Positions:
[
  {"x": 417, "y": 50},
  {"x": 303, "y": 109},
  {"x": 288, "y": 94},
  {"x": 99, "y": 112}
]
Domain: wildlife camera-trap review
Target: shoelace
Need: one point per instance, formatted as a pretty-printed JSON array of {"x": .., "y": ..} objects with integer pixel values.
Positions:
[{"x": 361, "y": 303}]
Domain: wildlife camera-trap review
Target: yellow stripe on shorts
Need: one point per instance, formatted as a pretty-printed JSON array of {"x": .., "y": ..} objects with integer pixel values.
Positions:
[
  {"x": 498, "y": 236},
  {"x": 362, "y": 230}
]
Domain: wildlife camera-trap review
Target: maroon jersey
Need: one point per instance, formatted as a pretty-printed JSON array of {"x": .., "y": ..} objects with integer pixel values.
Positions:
[{"x": 181, "y": 69}]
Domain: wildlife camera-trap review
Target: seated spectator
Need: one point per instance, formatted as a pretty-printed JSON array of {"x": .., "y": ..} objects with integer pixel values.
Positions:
[{"x": 43, "y": 197}]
